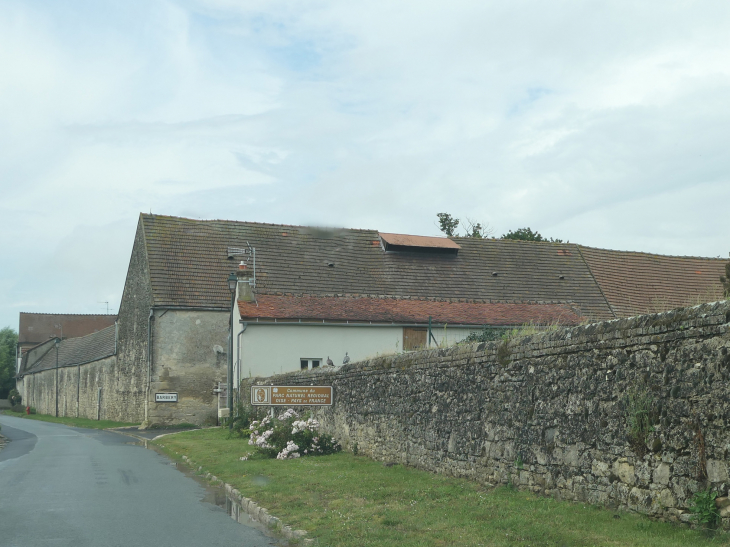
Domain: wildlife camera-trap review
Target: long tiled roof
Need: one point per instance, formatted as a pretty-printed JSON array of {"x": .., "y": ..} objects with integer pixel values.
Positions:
[
  {"x": 75, "y": 351},
  {"x": 35, "y": 328},
  {"x": 189, "y": 265},
  {"x": 637, "y": 283},
  {"x": 363, "y": 309}
]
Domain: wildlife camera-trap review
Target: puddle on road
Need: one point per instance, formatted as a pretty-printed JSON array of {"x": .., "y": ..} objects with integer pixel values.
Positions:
[{"x": 216, "y": 495}]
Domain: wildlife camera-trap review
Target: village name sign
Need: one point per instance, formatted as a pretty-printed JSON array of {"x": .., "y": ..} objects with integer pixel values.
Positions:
[{"x": 291, "y": 395}]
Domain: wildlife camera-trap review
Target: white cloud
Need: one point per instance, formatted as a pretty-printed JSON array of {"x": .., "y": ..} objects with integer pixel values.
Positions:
[{"x": 602, "y": 123}]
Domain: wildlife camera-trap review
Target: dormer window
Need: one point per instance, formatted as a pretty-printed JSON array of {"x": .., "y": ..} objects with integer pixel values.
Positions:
[{"x": 402, "y": 243}]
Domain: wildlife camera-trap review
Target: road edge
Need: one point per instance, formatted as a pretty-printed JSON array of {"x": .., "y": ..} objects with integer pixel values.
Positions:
[{"x": 252, "y": 509}]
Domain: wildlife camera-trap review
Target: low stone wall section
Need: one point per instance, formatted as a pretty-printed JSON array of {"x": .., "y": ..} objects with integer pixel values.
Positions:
[
  {"x": 80, "y": 388},
  {"x": 550, "y": 412}
]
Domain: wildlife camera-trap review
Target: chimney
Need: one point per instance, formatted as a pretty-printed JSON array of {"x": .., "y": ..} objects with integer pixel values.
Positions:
[{"x": 245, "y": 290}]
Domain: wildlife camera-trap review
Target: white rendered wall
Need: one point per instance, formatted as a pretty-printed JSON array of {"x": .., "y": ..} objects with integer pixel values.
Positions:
[{"x": 275, "y": 349}]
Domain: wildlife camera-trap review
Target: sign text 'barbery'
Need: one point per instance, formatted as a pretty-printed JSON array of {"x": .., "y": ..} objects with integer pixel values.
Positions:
[{"x": 291, "y": 395}]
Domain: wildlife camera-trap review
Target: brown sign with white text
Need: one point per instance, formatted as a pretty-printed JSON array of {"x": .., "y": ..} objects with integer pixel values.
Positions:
[{"x": 291, "y": 395}]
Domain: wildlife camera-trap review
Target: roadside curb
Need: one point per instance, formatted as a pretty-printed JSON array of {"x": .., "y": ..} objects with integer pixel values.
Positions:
[
  {"x": 130, "y": 434},
  {"x": 254, "y": 510}
]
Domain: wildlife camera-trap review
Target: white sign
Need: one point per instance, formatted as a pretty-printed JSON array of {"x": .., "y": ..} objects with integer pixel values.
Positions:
[{"x": 166, "y": 397}]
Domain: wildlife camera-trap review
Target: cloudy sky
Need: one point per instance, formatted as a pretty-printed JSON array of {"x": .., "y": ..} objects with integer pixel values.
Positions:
[{"x": 603, "y": 123}]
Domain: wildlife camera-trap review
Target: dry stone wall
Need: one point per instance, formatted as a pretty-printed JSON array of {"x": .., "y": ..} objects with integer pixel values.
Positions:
[
  {"x": 551, "y": 412},
  {"x": 79, "y": 390}
]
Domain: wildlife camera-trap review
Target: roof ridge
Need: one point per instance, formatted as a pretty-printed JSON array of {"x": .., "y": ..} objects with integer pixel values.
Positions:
[
  {"x": 249, "y": 222},
  {"x": 652, "y": 254},
  {"x": 72, "y": 314},
  {"x": 514, "y": 241}
]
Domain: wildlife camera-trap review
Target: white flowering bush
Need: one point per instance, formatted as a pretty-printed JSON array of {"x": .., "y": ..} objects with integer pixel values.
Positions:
[{"x": 291, "y": 436}]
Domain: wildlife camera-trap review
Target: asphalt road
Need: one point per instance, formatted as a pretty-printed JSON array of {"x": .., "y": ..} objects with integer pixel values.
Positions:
[{"x": 62, "y": 486}]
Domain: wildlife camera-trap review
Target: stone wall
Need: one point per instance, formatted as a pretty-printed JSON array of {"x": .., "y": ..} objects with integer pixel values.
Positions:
[
  {"x": 549, "y": 411},
  {"x": 189, "y": 357},
  {"x": 78, "y": 391},
  {"x": 134, "y": 311}
]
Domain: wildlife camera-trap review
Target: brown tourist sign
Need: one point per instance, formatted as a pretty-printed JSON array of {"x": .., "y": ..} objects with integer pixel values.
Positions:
[{"x": 291, "y": 395}]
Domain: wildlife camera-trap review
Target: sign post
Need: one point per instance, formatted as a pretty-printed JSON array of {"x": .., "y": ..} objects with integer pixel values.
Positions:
[{"x": 291, "y": 395}]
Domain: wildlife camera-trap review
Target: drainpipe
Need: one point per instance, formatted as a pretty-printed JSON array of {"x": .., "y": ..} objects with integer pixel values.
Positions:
[
  {"x": 230, "y": 362},
  {"x": 244, "y": 293},
  {"x": 150, "y": 318},
  {"x": 57, "y": 343},
  {"x": 98, "y": 405},
  {"x": 239, "y": 357}
]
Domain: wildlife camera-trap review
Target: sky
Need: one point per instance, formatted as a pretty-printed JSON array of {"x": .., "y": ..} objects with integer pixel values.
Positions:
[{"x": 601, "y": 123}]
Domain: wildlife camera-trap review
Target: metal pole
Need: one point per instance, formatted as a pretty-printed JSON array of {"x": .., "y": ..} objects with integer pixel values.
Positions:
[
  {"x": 230, "y": 363},
  {"x": 429, "y": 331},
  {"x": 57, "y": 379}
]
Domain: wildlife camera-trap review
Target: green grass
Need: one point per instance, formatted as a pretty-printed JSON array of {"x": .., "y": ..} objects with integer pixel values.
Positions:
[
  {"x": 349, "y": 501},
  {"x": 73, "y": 422}
]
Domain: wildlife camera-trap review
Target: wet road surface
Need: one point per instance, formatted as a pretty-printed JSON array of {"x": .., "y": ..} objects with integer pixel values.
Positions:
[{"x": 65, "y": 486}]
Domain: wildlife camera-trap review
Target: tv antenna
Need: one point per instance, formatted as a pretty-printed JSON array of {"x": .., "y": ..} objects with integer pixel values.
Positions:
[
  {"x": 107, "y": 305},
  {"x": 247, "y": 255}
]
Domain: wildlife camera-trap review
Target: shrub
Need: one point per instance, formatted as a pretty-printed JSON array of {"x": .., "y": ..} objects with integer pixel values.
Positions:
[
  {"x": 14, "y": 397},
  {"x": 243, "y": 415},
  {"x": 704, "y": 510},
  {"x": 485, "y": 335},
  {"x": 18, "y": 408},
  {"x": 638, "y": 409},
  {"x": 288, "y": 437}
]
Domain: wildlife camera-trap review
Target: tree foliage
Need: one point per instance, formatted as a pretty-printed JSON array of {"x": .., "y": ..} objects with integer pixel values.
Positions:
[
  {"x": 8, "y": 341},
  {"x": 449, "y": 224},
  {"x": 526, "y": 234}
]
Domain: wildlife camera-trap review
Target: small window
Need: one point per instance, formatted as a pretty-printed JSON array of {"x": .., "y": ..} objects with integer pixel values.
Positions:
[{"x": 308, "y": 362}]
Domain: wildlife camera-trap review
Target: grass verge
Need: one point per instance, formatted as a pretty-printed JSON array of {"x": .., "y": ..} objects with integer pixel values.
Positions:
[
  {"x": 347, "y": 501},
  {"x": 72, "y": 422}
]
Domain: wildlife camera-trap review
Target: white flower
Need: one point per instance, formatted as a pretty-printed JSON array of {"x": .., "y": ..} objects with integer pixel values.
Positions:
[{"x": 289, "y": 451}]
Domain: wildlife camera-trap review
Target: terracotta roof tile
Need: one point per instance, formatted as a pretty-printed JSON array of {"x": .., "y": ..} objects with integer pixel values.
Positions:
[
  {"x": 330, "y": 308},
  {"x": 35, "y": 328},
  {"x": 638, "y": 283},
  {"x": 404, "y": 240}
]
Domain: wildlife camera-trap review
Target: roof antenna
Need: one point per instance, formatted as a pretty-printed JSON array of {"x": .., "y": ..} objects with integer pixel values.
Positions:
[{"x": 107, "y": 305}]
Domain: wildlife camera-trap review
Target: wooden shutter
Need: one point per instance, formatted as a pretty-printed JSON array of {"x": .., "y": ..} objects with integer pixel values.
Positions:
[{"x": 414, "y": 338}]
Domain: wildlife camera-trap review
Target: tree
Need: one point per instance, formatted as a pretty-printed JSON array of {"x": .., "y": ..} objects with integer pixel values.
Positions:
[
  {"x": 8, "y": 341},
  {"x": 449, "y": 224},
  {"x": 526, "y": 234},
  {"x": 475, "y": 229}
]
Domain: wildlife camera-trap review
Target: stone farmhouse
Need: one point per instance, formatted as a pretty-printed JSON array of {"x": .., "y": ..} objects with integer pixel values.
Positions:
[{"x": 299, "y": 296}]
